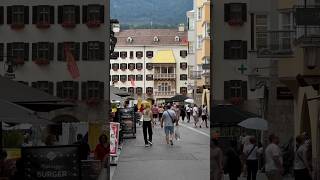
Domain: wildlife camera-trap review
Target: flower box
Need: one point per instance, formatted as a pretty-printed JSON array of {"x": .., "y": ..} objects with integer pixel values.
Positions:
[
  {"x": 17, "y": 26},
  {"x": 93, "y": 23},
  {"x": 18, "y": 61},
  {"x": 43, "y": 25},
  {"x": 68, "y": 24},
  {"x": 42, "y": 61},
  {"x": 93, "y": 101},
  {"x": 236, "y": 100},
  {"x": 235, "y": 22}
]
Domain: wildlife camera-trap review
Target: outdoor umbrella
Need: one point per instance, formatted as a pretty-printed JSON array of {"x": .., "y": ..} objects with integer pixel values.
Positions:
[
  {"x": 119, "y": 92},
  {"x": 190, "y": 101},
  {"x": 254, "y": 123},
  {"x": 178, "y": 98}
]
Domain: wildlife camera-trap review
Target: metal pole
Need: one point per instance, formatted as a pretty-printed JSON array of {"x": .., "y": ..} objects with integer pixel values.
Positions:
[{"x": 144, "y": 72}]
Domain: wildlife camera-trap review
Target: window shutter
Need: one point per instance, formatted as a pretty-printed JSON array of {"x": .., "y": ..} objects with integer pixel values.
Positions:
[
  {"x": 34, "y": 84},
  {"x": 26, "y": 14},
  {"x": 52, "y": 14},
  {"x": 51, "y": 51},
  {"x": 77, "y": 53},
  {"x": 244, "y": 49},
  {"x": 84, "y": 90},
  {"x": 50, "y": 84},
  {"x": 1, "y": 15},
  {"x": 226, "y": 90},
  {"x": 34, "y": 51},
  {"x": 60, "y": 14},
  {"x": 9, "y": 51},
  {"x": 59, "y": 89},
  {"x": 101, "y": 90},
  {"x": 26, "y": 51},
  {"x": 1, "y": 51},
  {"x": 102, "y": 51},
  {"x": 84, "y": 51},
  {"x": 244, "y": 90},
  {"x": 60, "y": 51},
  {"x": 102, "y": 14},
  {"x": 77, "y": 11},
  {"x": 244, "y": 12},
  {"x": 9, "y": 15},
  {"x": 226, "y": 50},
  {"x": 34, "y": 14},
  {"x": 226, "y": 12},
  {"x": 75, "y": 90},
  {"x": 84, "y": 14}
]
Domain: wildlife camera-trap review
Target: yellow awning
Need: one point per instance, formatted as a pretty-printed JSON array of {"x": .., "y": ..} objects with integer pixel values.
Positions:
[{"x": 164, "y": 56}]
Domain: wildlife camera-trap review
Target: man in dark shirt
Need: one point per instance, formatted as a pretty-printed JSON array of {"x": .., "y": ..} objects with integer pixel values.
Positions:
[{"x": 84, "y": 147}]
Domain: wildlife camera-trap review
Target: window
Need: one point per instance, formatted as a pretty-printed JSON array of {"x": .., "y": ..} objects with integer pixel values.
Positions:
[
  {"x": 17, "y": 16},
  {"x": 261, "y": 31},
  {"x": 285, "y": 37},
  {"x": 115, "y": 78},
  {"x": 123, "y": 66},
  {"x": 131, "y": 77},
  {"x": 92, "y": 90},
  {"x": 139, "y": 66},
  {"x": 123, "y": 54},
  {"x": 199, "y": 41},
  {"x": 131, "y": 90},
  {"x": 183, "y": 90},
  {"x": 68, "y": 89},
  {"x": 235, "y": 13},
  {"x": 131, "y": 55},
  {"x": 139, "y": 90},
  {"x": 139, "y": 77},
  {"x": 115, "y": 66},
  {"x": 1, "y": 51},
  {"x": 183, "y": 77},
  {"x": 93, "y": 51},
  {"x": 43, "y": 51},
  {"x": 139, "y": 54},
  {"x": 191, "y": 24},
  {"x": 68, "y": 15},
  {"x": 183, "y": 53},
  {"x": 74, "y": 48},
  {"x": 43, "y": 16},
  {"x": 164, "y": 70},
  {"x": 199, "y": 13},
  {"x": 123, "y": 78},
  {"x": 164, "y": 87},
  {"x": 191, "y": 47},
  {"x": 170, "y": 70},
  {"x": 207, "y": 30},
  {"x": 149, "y": 77},
  {"x": 131, "y": 66},
  {"x": 44, "y": 86},
  {"x": 114, "y": 55},
  {"x": 18, "y": 52},
  {"x": 1, "y": 14},
  {"x": 235, "y": 88},
  {"x": 123, "y": 89},
  {"x": 149, "y": 66},
  {"x": 157, "y": 70},
  {"x": 93, "y": 15},
  {"x": 184, "y": 65},
  {"x": 235, "y": 49},
  {"x": 149, "y": 54},
  {"x": 149, "y": 90}
]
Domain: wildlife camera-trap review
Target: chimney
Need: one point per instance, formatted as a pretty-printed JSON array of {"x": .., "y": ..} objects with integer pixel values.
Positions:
[{"x": 181, "y": 28}]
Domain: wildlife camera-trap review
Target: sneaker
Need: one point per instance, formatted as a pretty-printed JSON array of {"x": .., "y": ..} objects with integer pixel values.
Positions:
[
  {"x": 171, "y": 142},
  {"x": 147, "y": 145},
  {"x": 150, "y": 143},
  {"x": 200, "y": 126}
]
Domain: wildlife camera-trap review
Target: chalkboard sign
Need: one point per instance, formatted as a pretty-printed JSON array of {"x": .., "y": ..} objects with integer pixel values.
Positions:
[
  {"x": 91, "y": 169},
  {"x": 284, "y": 93},
  {"x": 51, "y": 163}
]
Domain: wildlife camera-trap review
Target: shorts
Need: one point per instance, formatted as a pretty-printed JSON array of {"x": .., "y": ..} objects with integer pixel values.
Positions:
[{"x": 169, "y": 130}]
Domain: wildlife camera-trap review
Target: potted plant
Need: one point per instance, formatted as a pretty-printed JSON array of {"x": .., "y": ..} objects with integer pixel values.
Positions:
[
  {"x": 18, "y": 61},
  {"x": 93, "y": 23},
  {"x": 68, "y": 24},
  {"x": 93, "y": 101},
  {"x": 42, "y": 61},
  {"x": 236, "y": 100},
  {"x": 43, "y": 24},
  {"x": 17, "y": 26},
  {"x": 235, "y": 22}
]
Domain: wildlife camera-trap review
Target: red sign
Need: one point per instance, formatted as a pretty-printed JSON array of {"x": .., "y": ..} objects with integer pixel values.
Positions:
[{"x": 114, "y": 138}]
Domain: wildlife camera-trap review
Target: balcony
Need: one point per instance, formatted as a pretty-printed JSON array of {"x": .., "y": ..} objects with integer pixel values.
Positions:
[
  {"x": 164, "y": 76},
  {"x": 279, "y": 45},
  {"x": 194, "y": 75},
  {"x": 164, "y": 94}
]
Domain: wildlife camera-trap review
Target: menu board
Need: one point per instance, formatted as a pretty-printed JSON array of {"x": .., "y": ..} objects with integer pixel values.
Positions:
[
  {"x": 51, "y": 162},
  {"x": 126, "y": 116},
  {"x": 91, "y": 169}
]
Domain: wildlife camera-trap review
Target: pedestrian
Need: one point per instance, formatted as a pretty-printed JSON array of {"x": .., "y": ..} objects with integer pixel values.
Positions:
[
  {"x": 183, "y": 113},
  {"x": 252, "y": 153},
  {"x": 274, "y": 162},
  {"x": 147, "y": 125},
  {"x": 160, "y": 110},
  {"x": 302, "y": 170},
  {"x": 232, "y": 165},
  {"x": 195, "y": 115},
  {"x": 204, "y": 115},
  {"x": 216, "y": 159},
  {"x": 84, "y": 147},
  {"x": 188, "y": 110},
  {"x": 167, "y": 121},
  {"x": 155, "y": 113},
  {"x": 51, "y": 140},
  {"x": 102, "y": 149}
]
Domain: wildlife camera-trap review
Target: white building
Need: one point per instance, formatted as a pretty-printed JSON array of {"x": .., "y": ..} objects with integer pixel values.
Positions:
[
  {"x": 34, "y": 35},
  {"x": 151, "y": 63}
]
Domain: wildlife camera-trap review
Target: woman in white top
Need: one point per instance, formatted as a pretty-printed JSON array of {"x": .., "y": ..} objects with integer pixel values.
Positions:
[
  {"x": 147, "y": 125},
  {"x": 301, "y": 165},
  {"x": 251, "y": 152}
]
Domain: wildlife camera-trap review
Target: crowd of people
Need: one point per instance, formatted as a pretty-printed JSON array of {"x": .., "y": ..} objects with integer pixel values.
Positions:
[{"x": 246, "y": 162}]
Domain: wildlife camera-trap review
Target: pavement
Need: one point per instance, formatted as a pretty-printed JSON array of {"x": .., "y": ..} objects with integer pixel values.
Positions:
[{"x": 187, "y": 159}]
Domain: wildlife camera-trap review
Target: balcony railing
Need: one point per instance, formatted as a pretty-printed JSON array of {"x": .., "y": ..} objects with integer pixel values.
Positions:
[
  {"x": 164, "y": 93},
  {"x": 278, "y": 45},
  {"x": 164, "y": 76},
  {"x": 196, "y": 75}
]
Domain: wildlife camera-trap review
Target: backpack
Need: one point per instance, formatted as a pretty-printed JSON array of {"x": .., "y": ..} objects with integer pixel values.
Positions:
[{"x": 199, "y": 111}]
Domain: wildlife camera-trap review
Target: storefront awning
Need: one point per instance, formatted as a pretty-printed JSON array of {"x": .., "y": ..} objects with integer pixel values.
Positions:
[{"x": 164, "y": 57}]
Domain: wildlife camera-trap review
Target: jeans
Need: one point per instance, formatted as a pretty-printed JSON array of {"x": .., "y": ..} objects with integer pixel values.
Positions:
[
  {"x": 252, "y": 169},
  {"x": 147, "y": 127}
]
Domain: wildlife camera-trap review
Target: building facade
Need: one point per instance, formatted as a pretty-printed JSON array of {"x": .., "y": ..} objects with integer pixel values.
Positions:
[
  {"x": 151, "y": 63},
  {"x": 34, "y": 38}
]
